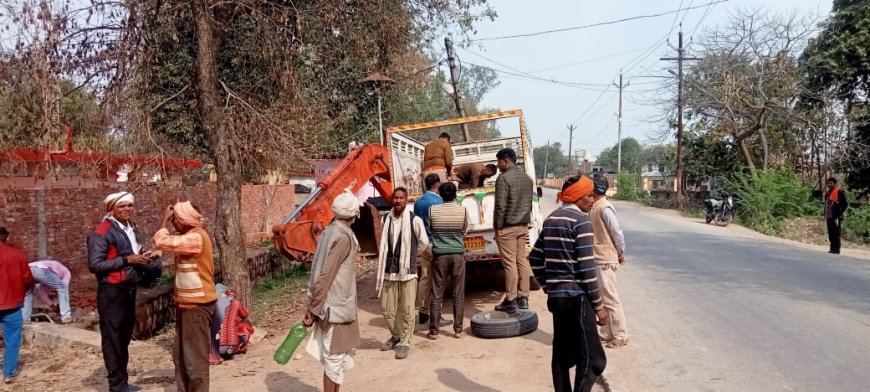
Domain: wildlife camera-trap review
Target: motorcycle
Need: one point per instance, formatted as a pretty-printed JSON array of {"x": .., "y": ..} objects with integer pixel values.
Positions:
[{"x": 719, "y": 211}]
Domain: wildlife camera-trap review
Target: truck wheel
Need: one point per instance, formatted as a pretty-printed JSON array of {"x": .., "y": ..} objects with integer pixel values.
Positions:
[{"x": 492, "y": 325}]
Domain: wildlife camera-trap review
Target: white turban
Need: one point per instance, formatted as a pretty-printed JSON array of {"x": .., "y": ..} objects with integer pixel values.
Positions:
[
  {"x": 116, "y": 198},
  {"x": 346, "y": 205}
]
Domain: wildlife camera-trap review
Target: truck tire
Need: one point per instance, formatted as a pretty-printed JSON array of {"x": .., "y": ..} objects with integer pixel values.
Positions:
[{"x": 492, "y": 325}]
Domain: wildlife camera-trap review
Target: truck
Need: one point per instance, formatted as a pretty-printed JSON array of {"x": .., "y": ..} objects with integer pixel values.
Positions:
[{"x": 399, "y": 164}]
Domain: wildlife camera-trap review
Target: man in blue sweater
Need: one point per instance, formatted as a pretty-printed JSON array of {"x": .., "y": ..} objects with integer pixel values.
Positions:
[
  {"x": 421, "y": 209},
  {"x": 563, "y": 262}
]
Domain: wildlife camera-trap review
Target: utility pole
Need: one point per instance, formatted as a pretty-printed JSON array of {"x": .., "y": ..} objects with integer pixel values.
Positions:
[
  {"x": 546, "y": 159},
  {"x": 681, "y": 57},
  {"x": 619, "y": 132},
  {"x": 571, "y": 129},
  {"x": 454, "y": 81}
]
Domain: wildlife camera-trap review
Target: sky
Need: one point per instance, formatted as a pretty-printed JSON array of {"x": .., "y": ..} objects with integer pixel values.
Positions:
[{"x": 633, "y": 46}]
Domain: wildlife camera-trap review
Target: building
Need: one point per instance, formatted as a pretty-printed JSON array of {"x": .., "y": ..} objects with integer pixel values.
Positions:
[{"x": 656, "y": 177}]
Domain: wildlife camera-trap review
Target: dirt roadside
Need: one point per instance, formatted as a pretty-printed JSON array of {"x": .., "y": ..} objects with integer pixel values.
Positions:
[{"x": 470, "y": 365}]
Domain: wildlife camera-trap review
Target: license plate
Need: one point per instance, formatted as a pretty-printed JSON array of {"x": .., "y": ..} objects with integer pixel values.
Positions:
[{"x": 475, "y": 243}]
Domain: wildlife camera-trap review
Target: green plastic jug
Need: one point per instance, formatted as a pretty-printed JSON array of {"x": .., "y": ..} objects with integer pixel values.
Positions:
[{"x": 291, "y": 342}]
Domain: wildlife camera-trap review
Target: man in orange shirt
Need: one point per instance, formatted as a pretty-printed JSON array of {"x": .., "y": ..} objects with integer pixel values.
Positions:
[
  {"x": 195, "y": 294},
  {"x": 437, "y": 158}
]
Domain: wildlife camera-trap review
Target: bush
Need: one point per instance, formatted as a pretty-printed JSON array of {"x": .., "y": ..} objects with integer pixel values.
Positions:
[
  {"x": 762, "y": 204},
  {"x": 856, "y": 224},
  {"x": 628, "y": 187}
]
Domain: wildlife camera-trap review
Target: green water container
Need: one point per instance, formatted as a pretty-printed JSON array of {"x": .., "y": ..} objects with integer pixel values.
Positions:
[{"x": 291, "y": 342}]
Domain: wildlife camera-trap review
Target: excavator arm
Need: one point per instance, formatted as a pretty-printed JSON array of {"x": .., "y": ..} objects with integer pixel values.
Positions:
[{"x": 296, "y": 238}]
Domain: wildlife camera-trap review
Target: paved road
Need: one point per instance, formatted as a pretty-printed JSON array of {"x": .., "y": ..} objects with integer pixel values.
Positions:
[{"x": 723, "y": 309}]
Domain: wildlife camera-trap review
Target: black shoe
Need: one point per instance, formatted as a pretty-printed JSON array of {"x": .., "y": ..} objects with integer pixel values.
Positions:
[
  {"x": 424, "y": 318},
  {"x": 523, "y": 302},
  {"x": 507, "y": 306},
  {"x": 390, "y": 344},
  {"x": 133, "y": 388},
  {"x": 403, "y": 352}
]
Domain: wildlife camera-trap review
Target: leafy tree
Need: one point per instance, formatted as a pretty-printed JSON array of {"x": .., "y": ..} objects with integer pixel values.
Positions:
[
  {"x": 556, "y": 161},
  {"x": 632, "y": 157}
]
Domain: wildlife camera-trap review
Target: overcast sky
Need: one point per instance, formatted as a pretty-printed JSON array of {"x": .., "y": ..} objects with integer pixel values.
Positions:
[{"x": 635, "y": 46}]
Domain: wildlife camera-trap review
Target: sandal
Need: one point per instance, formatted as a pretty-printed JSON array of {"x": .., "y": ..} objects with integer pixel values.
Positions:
[{"x": 69, "y": 320}]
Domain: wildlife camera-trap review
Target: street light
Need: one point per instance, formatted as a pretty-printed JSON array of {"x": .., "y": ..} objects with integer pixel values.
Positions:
[{"x": 378, "y": 80}]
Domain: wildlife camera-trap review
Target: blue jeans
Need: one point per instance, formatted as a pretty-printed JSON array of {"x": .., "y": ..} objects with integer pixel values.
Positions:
[
  {"x": 11, "y": 323},
  {"x": 45, "y": 276}
]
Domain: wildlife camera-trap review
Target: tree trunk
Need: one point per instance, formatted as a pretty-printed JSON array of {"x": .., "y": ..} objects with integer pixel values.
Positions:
[
  {"x": 225, "y": 152},
  {"x": 765, "y": 163},
  {"x": 747, "y": 156}
]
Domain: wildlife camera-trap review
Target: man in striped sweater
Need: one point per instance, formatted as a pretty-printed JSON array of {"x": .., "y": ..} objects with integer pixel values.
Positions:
[
  {"x": 563, "y": 262},
  {"x": 449, "y": 223}
]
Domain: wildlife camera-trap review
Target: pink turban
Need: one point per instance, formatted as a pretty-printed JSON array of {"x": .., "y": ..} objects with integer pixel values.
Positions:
[{"x": 187, "y": 215}]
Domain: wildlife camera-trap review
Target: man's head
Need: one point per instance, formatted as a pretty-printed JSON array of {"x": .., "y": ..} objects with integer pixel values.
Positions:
[
  {"x": 831, "y": 183},
  {"x": 578, "y": 191},
  {"x": 346, "y": 206},
  {"x": 445, "y": 136},
  {"x": 489, "y": 170},
  {"x": 432, "y": 182},
  {"x": 120, "y": 206},
  {"x": 186, "y": 217},
  {"x": 400, "y": 200},
  {"x": 600, "y": 186},
  {"x": 448, "y": 192},
  {"x": 507, "y": 158},
  {"x": 4, "y": 234}
]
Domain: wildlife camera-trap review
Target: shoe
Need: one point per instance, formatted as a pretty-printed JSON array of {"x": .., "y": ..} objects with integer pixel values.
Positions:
[
  {"x": 523, "y": 302},
  {"x": 424, "y": 318},
  {"x": 507, "y": 306},
  {"x": 133, "y": 388},
  {"x": 604, "y": 340},
  {"x": 8, "y": 380},
  {"x": 390, "y": 344},
  {"x": 616, "y": 343},
  {"x": 460, "y": 334},
  {"x": 402, "y": 352},
  {"x": 432, "y": 335}
]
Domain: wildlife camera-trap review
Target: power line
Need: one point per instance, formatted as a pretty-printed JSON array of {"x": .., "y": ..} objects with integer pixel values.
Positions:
[
  {"x": 539, "y": 79},
  {"x": 597, "y": 24},
  {"x": 587, "y": 61},
  {"x": 526, "y": 74}
]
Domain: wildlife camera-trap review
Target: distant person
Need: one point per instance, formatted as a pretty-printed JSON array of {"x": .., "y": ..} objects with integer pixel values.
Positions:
[
  {"x": 449, "y": 223},
  {"x": 511, "y": 218},
  {"x": 50, "y": 275},
  {"x": 562, "y": 260},
  {"x": 473, "y": 175},
  {"x": 195, "y": 294},
  {"x": 609, "y": 251},
  {"x": 438, "y": 158},
  {"x": 332, "y": 295},
  {"x": 403, "y": 238},
  {"x": 15, "y": 279},
  {"x": 835, "y": 205},
  {"x": 421, "y": 209}
]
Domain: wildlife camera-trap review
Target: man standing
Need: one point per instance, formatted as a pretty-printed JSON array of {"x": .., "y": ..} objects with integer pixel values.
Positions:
[
  {"x": 421, "y": 209},
  {"x": 562, "y": 260},
  {"x": 835, "y": 205},
  {"x": 195, "y": 294},
  {"x": 50, "y": 275},
  {"x": 438, "y": 158},
  {"x": 449, "y": 223},
  {"x": 402, "y": 239},
  {"x": 473, "y": 175},
  {"x": 332, "y": 294},
  {"x": 114, "y": 256},
  {"x": 15, "y": 279},
  {"x": 512, "y": 215},
  {"x": 609, "y": 251}
]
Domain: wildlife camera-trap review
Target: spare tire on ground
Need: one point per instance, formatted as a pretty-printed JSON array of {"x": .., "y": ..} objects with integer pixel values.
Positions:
[{"x": 491, "y": 325}]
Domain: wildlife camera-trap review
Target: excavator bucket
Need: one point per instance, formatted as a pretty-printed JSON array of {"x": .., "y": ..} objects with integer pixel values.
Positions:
[{"x": 296, "y": 240}]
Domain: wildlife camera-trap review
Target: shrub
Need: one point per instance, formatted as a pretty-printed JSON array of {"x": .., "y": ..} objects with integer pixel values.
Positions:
[
  {"x": 776, "y": 195},
  {"x": 856, "y": 224},
  {"x": 628, "y": 187}
]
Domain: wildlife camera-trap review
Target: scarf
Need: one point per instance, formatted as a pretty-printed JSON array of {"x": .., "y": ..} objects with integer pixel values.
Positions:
[
  {"x": 406, "y": 231},
  {"x": 834, "y": 196},
  {"x": 576, "y": 191},
  {"x": 187, "y": 215}
]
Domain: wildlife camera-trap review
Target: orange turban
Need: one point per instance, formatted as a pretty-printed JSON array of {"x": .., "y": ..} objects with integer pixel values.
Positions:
[
  {"x": 576, "y": 191},
  {"x": 187, "y": 215}
]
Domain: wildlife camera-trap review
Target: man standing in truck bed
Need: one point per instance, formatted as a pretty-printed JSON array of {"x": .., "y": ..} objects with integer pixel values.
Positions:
[
  {"x": 511, "y": 218},
  {"x": 438, "y": 158}
]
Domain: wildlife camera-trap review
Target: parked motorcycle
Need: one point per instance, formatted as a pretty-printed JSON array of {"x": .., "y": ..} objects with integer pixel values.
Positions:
[{"x": 719, "y": 211}]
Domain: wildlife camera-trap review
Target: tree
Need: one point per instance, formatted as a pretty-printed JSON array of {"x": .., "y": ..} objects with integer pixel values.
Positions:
[
  {"x": 556, "y": 161},
  {"x": 632, "y": 156}
]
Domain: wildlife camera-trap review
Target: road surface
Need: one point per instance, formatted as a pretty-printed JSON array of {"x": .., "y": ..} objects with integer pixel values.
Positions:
[{"x": 725, "y": 309}]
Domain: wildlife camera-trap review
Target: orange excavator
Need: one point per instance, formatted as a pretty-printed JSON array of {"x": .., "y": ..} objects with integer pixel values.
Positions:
[{"x": 297, "y": 237}]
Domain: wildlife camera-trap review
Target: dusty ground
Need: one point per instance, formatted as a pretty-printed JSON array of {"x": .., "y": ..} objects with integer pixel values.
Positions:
[{"x": 471, "y": 364}]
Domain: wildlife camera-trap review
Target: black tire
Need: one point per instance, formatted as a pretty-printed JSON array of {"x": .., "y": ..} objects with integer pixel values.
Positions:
[
  {"x": 724, "y": 219},
  {"x": 493, "y": 325}
]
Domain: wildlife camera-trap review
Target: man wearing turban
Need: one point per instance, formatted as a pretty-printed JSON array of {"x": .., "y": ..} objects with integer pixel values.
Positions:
[
  {"x": 563, "y": 262},
  {"x": 115, "y": 256},
  {"x": 332, "y": 298},
  {"x": 195, "y": 294}
]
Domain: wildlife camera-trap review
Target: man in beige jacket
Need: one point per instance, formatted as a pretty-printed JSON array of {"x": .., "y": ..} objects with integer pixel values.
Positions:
[{"x": 609, "y": 251}]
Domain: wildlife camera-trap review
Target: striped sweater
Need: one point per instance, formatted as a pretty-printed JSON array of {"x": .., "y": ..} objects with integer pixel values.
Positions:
[
  {"x": 562, "y": 257},
  {"x": 448, "y": 222}
]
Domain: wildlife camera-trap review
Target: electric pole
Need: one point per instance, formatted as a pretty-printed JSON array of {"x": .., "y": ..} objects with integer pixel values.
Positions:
[
  {"x": 454, "y": 81},
  {"x": 571, "y": 129},
  {"x": 681, "y": 57},
  {"x": 546, "y": 159},
  {"x": 619, "y": 132}
]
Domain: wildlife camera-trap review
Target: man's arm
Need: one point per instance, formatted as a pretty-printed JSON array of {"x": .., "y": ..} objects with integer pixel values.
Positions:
[
  {"x": 465, "y": 225},
  {"x": 420, "y": 232},
  {"x": 448, "y": 157},
  {"x": 98, "y": 251},
  {"x": 502, "y": 190},
  {"x": 26, "y": 274},
  {"x": 338, "y": 252},
  {"x": 844, "y": 204},
  {"x": 612, "y": 224},
  {"x": 539, "y": 262},
  {"x": 587, "y": 274},
  {"x": 189, "y": 243}
]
